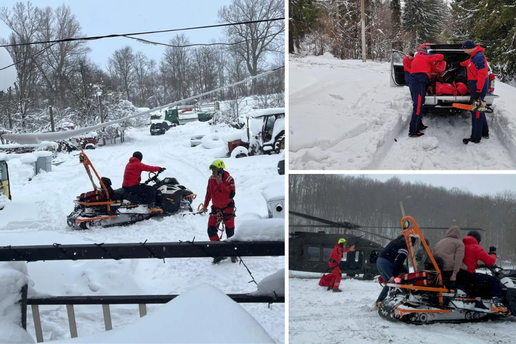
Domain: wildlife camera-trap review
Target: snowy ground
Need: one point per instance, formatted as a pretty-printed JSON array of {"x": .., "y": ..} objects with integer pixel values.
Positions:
[
  {"x": 343, "y": 115},
  {"x": 37, "y": 216},
  {"x": 319, "y": 316}
]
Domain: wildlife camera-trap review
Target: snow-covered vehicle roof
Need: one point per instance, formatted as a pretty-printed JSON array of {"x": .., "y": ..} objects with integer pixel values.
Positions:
[{"x": 266, "y": 112}]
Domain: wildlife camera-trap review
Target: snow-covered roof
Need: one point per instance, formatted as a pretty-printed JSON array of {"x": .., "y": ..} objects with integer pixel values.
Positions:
[{"x": 266, "y": 112}]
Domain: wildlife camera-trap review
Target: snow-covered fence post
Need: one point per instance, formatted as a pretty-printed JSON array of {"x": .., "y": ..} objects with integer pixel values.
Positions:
[{"x": 13, "y": 303}]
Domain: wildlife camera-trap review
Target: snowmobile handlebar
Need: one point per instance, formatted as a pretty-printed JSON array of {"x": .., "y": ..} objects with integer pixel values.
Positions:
[{"x": 153, "y": 177}]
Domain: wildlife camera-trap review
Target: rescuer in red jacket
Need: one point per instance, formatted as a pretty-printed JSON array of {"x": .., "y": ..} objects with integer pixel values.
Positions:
[
  {"x": 488, "y": 286},
  {"x": 478, "y": 85},
  {"x": 132, "y": 177},
  {"x": 335, "y": 258},
  {"x": 419, "y": 77},
  {"x": 220, "y": 191}
]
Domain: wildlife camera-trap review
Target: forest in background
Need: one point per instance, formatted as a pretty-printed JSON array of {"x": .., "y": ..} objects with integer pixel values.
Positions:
[
  {"x": 334, "y": 26},
  {"x": 63, "y": 76},
  {"x": 375, "y": 206}
]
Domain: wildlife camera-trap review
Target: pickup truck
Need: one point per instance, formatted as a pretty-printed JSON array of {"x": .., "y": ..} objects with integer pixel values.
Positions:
[{"x": 452, "y": 53}]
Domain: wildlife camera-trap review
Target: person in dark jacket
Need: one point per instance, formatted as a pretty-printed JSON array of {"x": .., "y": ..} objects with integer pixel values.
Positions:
[
  {"x": 407, "y": 64},
  {"x": 390, "y": 262},
  {"x": 132, "y": 178},
  {"x": 335, "y": 257},
  {"x": 478, "y": 81},
  {"x": 419, "y": 77}
]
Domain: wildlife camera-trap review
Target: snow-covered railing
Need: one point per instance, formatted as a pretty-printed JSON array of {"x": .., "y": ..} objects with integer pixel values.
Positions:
[
  {"x": 105, "y": 301},
  {"x": 189, "y": 249}
]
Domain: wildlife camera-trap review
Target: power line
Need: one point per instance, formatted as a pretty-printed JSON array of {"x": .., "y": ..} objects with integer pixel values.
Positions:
[{"x": 142, "y": 33}]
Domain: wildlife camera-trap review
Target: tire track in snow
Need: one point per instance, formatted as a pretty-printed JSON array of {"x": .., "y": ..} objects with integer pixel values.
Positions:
[{"x": 442, "y": 148}]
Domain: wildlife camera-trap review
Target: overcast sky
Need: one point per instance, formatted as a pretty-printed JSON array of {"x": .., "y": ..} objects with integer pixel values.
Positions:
[
  {"x": 478, "y": 184},
  {"x": 104, "y": 17}
]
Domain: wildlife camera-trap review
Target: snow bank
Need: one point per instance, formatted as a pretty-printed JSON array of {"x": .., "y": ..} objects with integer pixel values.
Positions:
[
  {"x": 13, "y": 276},
  {"x": 271, "y": 229},
  {"x": 199, "y": 315},
  {"x": 273, "y": 285}
]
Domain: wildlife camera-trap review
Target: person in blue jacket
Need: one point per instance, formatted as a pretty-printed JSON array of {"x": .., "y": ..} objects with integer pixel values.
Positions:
[{"x": 478, "y": 85}]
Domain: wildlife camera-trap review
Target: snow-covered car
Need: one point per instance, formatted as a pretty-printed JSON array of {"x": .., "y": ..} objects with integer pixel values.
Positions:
[
  {"x": 158, "y": 128},
  {"x": 453, "y": 73}
]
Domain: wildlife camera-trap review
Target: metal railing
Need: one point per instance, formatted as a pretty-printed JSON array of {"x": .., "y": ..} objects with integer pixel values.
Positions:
[{"x": 130, "y": 251}]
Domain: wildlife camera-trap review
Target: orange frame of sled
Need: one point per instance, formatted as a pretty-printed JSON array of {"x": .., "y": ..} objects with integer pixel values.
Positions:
[
  {"x": 88, "y": 166},
  {"x": 410, "y": 227}
]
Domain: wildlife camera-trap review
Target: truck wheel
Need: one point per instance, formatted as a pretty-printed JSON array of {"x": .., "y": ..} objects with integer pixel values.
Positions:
[{"x": 279, "y": 144}]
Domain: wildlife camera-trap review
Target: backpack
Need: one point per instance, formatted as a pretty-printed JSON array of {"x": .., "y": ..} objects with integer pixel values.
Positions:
[{"x": 92, "y": 196}]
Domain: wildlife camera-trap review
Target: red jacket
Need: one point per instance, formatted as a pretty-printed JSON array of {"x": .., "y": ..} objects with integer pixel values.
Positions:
[
  {"x": 133, "y": 171},
  {"x": 221, "y": 194},
  {"x": 422, "y": 62},
  {"x": 473, "y": 252},
  {"x": 407, "y": 64},
  {"x": 336, "y": 255},
  {"x": 477, "y": 67}
]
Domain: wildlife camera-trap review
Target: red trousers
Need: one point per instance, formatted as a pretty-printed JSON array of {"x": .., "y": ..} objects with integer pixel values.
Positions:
[
  {"x": 335, "y": 278},
  {"x": 227, "y": 216}
]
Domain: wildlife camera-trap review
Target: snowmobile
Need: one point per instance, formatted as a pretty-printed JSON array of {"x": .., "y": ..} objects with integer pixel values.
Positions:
[
  {"x": 105, "y": 207},
  {"x": 421, "y": 297}
]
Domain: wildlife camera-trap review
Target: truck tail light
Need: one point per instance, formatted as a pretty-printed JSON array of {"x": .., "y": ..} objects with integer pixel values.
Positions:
[{"x": 491, "y": 82}]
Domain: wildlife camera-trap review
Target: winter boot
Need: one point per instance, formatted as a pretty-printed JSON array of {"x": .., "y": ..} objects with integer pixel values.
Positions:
[
  {"x": 422, "y": 127},
  {"x": 466, "y": 141},
  {"x": 479, "y": 305},
  {"x": 418, "y": 134},
  {"x": 234, "y": 260},
  {"x": 217, "y": 260},
  {"x": 337, "y": 290}
]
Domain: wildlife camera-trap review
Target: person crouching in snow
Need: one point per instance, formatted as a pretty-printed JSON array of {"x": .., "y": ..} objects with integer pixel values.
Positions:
[
  {"x": 335, "y": 257},
  {"x": 390, "y": 262}
]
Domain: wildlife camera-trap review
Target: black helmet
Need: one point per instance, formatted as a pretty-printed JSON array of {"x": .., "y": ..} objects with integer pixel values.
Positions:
[
  {"x": 138, "y": 155},
  {"x": 475, "y": 235}
]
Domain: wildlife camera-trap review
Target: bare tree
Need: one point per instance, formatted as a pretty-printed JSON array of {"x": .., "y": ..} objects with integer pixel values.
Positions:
[
  {"x": 57, "y": 64},
  {"x": 121, "y": 68},
  {"x": 24, "y": 22},
  {"x": 175, "y": 67},
  {"x": 258, "y": 39}
]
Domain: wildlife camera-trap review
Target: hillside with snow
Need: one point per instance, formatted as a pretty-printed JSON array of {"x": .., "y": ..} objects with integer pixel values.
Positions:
[{"x": 343, "y": 115}]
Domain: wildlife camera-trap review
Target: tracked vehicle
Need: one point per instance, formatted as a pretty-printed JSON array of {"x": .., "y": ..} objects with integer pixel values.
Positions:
[{"x": 421, "y": 297}]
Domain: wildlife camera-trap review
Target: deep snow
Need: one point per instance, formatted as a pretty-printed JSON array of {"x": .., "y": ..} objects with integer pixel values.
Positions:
[
  {"x": 343, "y": 115},
  {"x": 320, "y": 316},
  {"x": 37, "y": 216}
]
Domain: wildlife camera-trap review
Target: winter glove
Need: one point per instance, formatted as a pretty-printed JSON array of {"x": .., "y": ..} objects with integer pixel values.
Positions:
[
  {"x": 162, "y": 169},
  {"x": 492, "y": 250},
  {"x": 475, "y": 95}
]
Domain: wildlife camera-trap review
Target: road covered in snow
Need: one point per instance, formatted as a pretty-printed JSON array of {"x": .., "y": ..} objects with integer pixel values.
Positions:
[{"x": 343, "y": 115}]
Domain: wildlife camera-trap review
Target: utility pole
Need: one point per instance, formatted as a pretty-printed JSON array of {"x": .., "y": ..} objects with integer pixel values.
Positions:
[
  {"x": 51, "y": 118},
  {"x": 363, "y": 31}
]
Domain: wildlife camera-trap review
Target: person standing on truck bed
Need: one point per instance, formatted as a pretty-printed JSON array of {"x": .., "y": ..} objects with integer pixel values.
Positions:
[
  {"x": 478, "y": 85},
  {"x": 407, "y": 64},
  {"x": 419, "y": 77}
]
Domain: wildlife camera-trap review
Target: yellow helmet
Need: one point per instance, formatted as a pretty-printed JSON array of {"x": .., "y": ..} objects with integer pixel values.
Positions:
[
  {"x": 342, "y": 241},
  {"x": 217, "y": 165}
]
